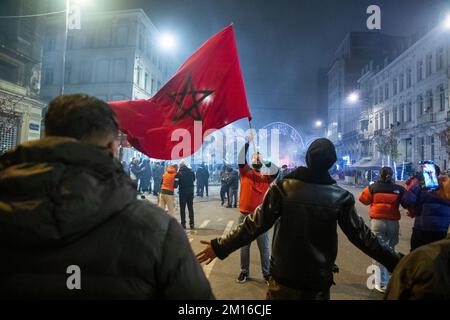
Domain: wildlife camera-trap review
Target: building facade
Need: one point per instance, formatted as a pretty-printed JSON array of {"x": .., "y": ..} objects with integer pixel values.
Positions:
[
  {"x": 408, "y": 102},
  {"x": 20, "y": 73},
  {"x": 355, "y": 51},
  {"x": 114, "y": 56}
]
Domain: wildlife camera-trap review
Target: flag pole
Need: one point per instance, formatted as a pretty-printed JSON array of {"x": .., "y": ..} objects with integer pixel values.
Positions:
[{"x": 251, "y": 130}]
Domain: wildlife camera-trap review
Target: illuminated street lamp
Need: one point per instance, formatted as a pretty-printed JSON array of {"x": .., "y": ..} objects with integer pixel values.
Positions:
[
  {"x": 353, "y": 97},
  {"x": 318, "y": 124},
  {"x": 447, "y": 22},
  {"x": 167, "y": 41}
]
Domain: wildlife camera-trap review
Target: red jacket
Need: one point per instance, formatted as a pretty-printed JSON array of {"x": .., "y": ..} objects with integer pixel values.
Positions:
[
  {"x": 384, "y": 200},
  {"x": 254, "y": 186}
]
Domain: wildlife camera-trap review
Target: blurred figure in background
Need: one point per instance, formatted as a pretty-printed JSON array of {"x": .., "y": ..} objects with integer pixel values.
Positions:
[
  {"x": 233, "y": 184},
  {"x": 157, "y": 178},
  {"x": 146, "y": 177},
  {"x": 185, "y": 180},
  {"x": 167, "y": 189},
  {"x": 224, "y": 188}
]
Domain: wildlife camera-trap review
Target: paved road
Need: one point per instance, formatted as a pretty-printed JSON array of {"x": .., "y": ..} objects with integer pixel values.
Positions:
[{"x": 212, "y": 220}]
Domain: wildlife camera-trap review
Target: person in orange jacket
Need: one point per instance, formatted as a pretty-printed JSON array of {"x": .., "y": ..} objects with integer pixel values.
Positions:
[
  {"x": 254, "y": 186},
  {"x": 168, "y": 186},
  {"x": 384, "y": 198}
]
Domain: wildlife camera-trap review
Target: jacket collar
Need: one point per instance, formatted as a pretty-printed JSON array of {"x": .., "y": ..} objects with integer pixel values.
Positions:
[{"x": 309, "y": 176}]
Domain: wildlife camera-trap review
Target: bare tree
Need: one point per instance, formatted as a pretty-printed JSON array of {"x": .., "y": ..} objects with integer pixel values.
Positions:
[{"x": 387, "y": 146}]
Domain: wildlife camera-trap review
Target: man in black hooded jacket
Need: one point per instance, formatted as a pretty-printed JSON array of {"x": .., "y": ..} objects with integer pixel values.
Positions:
[
  {"x": 71, "y": 225},
  {"x": 305, "y": 207}
]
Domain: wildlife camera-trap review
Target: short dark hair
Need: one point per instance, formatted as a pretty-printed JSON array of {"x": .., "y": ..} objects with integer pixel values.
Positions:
[
  {"x": 81, "y": 117},
  {"x": 386, "y": 173}
]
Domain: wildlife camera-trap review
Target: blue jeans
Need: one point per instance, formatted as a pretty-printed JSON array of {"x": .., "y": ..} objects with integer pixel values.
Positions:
[
  {"x": 264, "y": 251},
  {"x": 387, "y": 231}
]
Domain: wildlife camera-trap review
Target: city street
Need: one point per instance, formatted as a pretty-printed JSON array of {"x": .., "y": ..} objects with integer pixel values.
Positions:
[{"x": 212, "y": 220}]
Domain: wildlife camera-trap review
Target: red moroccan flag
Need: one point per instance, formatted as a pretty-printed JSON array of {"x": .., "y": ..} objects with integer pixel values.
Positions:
[{"x": 208, "y": 87}]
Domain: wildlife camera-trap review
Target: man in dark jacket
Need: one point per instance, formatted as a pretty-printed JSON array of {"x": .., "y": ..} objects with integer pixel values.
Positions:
[
  {"x": 146, "y": 177},
  {"x": 70, "y": 223},
  {"x": 233, "y": 184},
  {"x": 305, "y": 208},
  {"x": 157, "y": 178},
  {"x": 185, "y": 181}
]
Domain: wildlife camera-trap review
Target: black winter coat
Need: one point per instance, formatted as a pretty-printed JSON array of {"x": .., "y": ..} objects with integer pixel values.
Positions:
[
  {"x": 65, "y": 203},
  {"x": 185, "y": 180},
  {"x": 305, "y": 210}
]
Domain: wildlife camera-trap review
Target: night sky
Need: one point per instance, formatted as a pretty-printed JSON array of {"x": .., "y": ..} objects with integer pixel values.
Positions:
[{"x": 282, "y": 44}]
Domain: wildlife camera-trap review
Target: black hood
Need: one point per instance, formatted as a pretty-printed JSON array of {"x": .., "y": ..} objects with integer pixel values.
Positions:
[
  {"x": 55, "y": 190},
  {"x": 321, "y": 155}
]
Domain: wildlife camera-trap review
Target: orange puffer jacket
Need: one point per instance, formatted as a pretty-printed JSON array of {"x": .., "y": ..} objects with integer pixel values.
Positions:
[{"x": 384, "y": 199}]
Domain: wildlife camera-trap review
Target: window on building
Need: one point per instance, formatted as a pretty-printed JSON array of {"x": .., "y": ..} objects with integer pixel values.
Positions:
[
  {"x": 102, "y": 70},
  {"x": 380, "y": 94},
  {"x": 146, "y": 81},
  {"x": 439, "y": 59},
  {"x": 422, "y": 148},
  {"x": 381, "y": 120},
  {"x": 103, "y": 38},
  {"x": 386, "y": 90},
  {"x": 88, "y": 40},
  {"x": 409, "y": 111},
  {"x": 50, "y": 43},
  {"x": 119, "y": 70},
  {"x": 141, "y": 42},
  {"x": 441, "y": 91},
  {"x": 85, "y": 72},
  {"x": 375, "y": 96},
  {"x": 122, "y": 35},
  {"x": 420, "y": 106},
  {"x": 408, "y": 78},
  {"x": 401, "y": 117},
  {"x": 394, "y": 116},
  {"x": 68, "y": 73},
  {"x": 70, "y": 42},
  {"x": 429, "y": 64},
  {"x": 432, "y": 148},
  {"x": 376, "y": 122},
  {"x": 153, "y": 86},
  {"x": 394, "y": 86},
  {"x": 429, "y": 101},
  {"x": 48, "y": 76},
  {"x": 402, "y": 82},
  {"x": 419, "y": 70},
  {"x": 387, "y": 120},
  {"x": 138, "y": 76}
]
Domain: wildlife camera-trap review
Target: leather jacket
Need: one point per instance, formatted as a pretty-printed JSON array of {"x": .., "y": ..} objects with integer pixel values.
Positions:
[{"x": 305, "y": 209}]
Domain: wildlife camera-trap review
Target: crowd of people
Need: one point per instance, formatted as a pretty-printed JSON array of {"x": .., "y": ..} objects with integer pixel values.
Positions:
[{"x": 66, "y": 200}]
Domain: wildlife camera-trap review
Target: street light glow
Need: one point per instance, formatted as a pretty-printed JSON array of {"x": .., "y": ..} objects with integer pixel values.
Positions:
[
  {"x": 353, "y": 97},
  {"x": 318, "y": 124},
  {"x": 167, "y": 41},
  {"x": 447, "y": 22},
  {"x": 82, "y": 3}
]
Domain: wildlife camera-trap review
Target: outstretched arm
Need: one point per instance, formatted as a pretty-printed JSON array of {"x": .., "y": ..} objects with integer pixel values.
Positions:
[
  {"x": 363, "y": 238},
  {"x": 253, "y": 226}
]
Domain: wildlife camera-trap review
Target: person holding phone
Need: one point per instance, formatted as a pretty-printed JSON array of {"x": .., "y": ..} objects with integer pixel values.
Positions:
[{"x": 432, "y": 206}]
